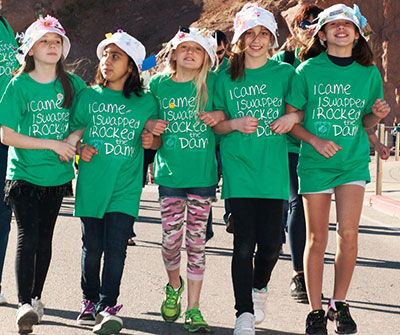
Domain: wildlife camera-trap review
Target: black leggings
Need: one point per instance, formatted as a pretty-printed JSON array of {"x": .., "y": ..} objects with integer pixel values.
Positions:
[
  {"x": 36, "y": 217},
  {"x": 257, "y": 222}
]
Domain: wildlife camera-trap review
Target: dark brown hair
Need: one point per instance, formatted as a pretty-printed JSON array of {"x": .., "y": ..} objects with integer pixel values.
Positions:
[
  {"x": 304, "y": 13},
  {"x": 132, "y": 83},
  {"x": 236, "y": 59},
  {"x": 62, "y": 76},
  {"x": 362, "y": 53}
]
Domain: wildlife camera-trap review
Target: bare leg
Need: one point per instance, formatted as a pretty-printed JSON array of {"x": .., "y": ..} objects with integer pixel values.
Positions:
[
  {"x": 194, "y": 288},
  {"x": 349, "y": 200},
  {"x": 316, "y": 208}
]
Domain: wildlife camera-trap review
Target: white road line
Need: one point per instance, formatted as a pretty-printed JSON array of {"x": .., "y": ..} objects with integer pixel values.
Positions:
[{"x": 380, "y": 223}]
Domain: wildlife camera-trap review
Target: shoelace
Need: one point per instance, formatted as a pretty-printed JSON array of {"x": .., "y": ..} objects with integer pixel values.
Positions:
[
  {"x": 344, "y": 313},
  {"x": 89, "y": 307},
  {"x": 172, "y": 295},
  {"x": 194, "y": 314},
  {"x": 113, "y": 310}
]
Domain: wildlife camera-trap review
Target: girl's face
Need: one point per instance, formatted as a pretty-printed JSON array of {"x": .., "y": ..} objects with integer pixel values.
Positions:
[
  {"x": 189, "y": 56},
  {"x": 303, "y": 33},
  {"x": 115, "y": 67},
  {"x": 48, "y": 49},
  {"x": 257, "y": 41},
  {"x": 339, "y": 34}
]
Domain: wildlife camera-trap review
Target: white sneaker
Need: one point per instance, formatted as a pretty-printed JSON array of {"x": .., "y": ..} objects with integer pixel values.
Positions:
[
  {"x": 3, "y": 300},
  {"x": 260, "y": 302},
  {"x": 26, "y": 318},
  {"x": 107, "y": 322},
  {"x": 245, "y": 324},
  {"x": 38, "y": 306}
]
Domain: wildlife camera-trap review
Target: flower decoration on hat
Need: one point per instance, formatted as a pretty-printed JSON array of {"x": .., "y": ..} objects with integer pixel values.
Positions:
[
  {"x": 361, "y": 19},
  {"x": 50, "y": 22}
]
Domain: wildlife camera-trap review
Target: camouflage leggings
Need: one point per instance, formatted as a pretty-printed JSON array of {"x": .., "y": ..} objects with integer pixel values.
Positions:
[{"x": 172, "y": 218}]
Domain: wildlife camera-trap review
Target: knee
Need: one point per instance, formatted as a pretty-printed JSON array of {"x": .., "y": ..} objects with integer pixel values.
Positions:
[
  {"x": 244, "y": 251},
  {"x": 317, "y": 243},
  {"x": 348, "y": 238}
]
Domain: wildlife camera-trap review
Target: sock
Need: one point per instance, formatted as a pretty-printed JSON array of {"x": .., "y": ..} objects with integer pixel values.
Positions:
[{"x": 332, "y": 303}]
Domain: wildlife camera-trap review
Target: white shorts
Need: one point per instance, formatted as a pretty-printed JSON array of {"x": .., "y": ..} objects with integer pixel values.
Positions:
[{"x": 361, "y": 183}]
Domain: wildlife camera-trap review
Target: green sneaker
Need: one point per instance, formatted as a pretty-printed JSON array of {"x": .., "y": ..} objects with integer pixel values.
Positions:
[
  {"x": 171, "y": 306},
  {"x": 194, "y": 321}
]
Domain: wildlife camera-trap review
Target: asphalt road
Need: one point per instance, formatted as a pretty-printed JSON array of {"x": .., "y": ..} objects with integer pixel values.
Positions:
[{"x": 374, "y": 294}]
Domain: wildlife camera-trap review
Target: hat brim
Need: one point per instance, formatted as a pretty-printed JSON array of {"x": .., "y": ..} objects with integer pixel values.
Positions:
[{"x": 238, "y": 33}]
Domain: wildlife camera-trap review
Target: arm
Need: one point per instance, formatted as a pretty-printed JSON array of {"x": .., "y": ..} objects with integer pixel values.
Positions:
[
  {"x": 75, "y": 136},
  {"x": 382, "y": 150},
  {"x": 326, "y": 148},
  {"x": 213, "y": 118},
  {"x": 380, "y": 109},
  {"x": 286, "y": 122},
  {"x": 10, "y": 137},
  {"x": 244, "y": 124},
  {"x": 156, "y": 127}
]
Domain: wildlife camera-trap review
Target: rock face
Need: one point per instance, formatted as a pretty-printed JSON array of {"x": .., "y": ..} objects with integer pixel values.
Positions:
[{"x": 153, "y": 22}]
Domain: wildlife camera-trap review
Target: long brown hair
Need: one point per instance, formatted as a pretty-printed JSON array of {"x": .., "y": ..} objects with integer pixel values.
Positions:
[
  {"x": 132, "y": 83},
  {"x": 236, "y": 59},
  {"x": 62, "y": 76},
  {"x": 361, "y": 53}
]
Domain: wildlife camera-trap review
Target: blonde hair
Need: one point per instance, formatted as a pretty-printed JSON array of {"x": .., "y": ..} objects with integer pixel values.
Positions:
[{"x": 200, "y": 81}]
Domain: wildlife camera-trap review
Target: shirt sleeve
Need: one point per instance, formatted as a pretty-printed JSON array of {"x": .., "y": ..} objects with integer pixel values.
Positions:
[
  {"x": 79, "y": 118},
  {"x": 11, "y": 106},
  {"x": 376, "y": 90},
  {"x": 297, "y": 95},
  {"x": 219, "y": 94}
]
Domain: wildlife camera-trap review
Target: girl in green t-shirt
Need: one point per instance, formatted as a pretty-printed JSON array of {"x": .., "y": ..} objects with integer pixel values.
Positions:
[
  {"x": 8, "y": 63},
  {"x": 340, "y": 91},
  {"x": 34, "y": 123},
  {"x": 111, "y": 117},
  {"x": 254, "y": 158},
  {"x": 185, "y": 165}
]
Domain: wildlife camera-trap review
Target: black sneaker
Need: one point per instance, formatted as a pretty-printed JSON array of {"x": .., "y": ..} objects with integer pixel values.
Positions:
[
  {"x": 316, "y": 323},
  {"x": 298, "y": 289},
  {"x": 344, "y": 324}
]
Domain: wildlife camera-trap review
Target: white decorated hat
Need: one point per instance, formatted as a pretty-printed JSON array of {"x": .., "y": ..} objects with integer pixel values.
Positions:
[
  {"x": 36, "y": 31},
  {"x": 251, "y": 16},
  {"x": 342, "y": 12},
  {"x": 130, "y": 45},
  {"x": 201, "y": 36}
]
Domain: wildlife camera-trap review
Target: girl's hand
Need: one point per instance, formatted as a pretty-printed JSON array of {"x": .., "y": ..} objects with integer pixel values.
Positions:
[
  {"x": 147, "y": 139},
  {"x": 382, "y": 150},
  {"x": 156, "y": 127},
  {"x": 64, "y": 150},
  {"x": 326, "y": 148},
  {"x": 87, "y": 153},
  {"x": 245, "y": 124},
  {"x": 380, "y": 108},
  {"x": 212, "y": 118},
  {"x": 284, "y": 124}
]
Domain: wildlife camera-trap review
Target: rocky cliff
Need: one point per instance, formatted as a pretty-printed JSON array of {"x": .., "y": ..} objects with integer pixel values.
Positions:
[{"x": 155, "y": 21}]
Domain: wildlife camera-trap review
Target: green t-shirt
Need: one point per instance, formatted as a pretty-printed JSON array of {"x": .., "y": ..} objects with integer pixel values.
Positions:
[
  {"x": 255, "y": 165},
  {"x": 293, "y": 142},
  {"x": 34, "y": 109},
  {"x": 112, "y": 180},
  {"x": 8, "y": 61},
  {"x": 334, "y": 99},
  {"x": 187, "y": 155},
  {"x": 223, "y": 66}
]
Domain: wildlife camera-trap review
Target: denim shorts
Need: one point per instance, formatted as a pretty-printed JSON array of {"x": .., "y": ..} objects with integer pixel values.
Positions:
[{"x": 204, "y": 192}]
